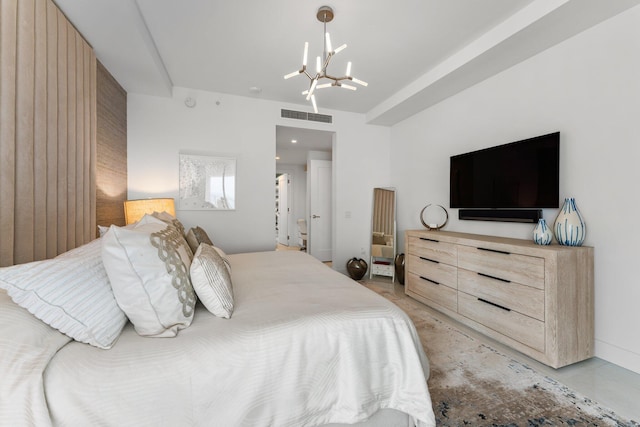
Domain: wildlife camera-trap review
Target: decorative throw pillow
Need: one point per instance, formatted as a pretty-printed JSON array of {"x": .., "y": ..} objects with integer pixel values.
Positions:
[
  {"x": 169, "y": 219},
  {"x": 70, "y": 293},
  {"x": 195, "y": 236},
  {"x": 149, "y": 271},
  {"x": 224, "y": 257},
  {"x": 212, "y": 281}
]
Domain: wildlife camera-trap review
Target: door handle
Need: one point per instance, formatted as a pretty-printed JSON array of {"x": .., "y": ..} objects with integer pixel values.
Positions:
[{"x": 315, "y": 216}]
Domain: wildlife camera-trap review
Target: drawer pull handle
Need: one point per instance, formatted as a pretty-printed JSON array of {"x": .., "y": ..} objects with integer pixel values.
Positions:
[
  {"x": 429, "y": 280},
  {"x": 429, "y": 240},
  {"x": 494, "y": 278},
  {"x": 494, "y": 250},
  {"x": 493, "y": 304},
  {"x": 430, "y": 260}
]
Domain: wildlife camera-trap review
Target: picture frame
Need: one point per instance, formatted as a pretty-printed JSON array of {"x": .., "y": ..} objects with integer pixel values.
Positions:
[{"x": 207, "y": 183}]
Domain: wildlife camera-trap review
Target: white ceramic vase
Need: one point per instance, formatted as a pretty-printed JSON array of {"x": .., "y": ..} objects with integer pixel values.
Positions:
[
  {"x": 569, "y": 228},
  {"x": 542, "y": 234}
]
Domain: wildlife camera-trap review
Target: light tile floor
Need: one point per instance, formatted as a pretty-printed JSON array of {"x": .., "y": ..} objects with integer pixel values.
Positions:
[{"x": 610, "y": 385}]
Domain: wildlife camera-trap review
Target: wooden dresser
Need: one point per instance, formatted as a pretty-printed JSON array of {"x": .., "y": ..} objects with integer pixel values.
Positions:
[{"x": 535, "y": 299}]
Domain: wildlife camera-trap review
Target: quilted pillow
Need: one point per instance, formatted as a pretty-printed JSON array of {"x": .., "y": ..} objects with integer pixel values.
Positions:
[
  {"x": 70, "y": 293},
  {"x": 224, "y": 257},
  {"x": 149, "y": 271},
  {"x": 195, "y": 236},
  {"x": 212, "y": 281}
]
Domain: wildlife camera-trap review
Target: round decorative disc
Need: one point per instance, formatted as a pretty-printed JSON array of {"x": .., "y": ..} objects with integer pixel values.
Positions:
[{"x": 434, "y": 219}]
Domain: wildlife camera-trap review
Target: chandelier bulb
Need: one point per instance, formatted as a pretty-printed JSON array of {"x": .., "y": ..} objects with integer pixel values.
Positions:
[
  {"x": 328, "y": 42},
  {"x": 348, "y": 69},
  {"x": 360, "y": 82},
  {"x": 305, "y": 54},
  {"x": 346, "y": 86},
  {"x": 313, "y": 87},
  {"x": 318, "y": 64},
  {"x": 313, "y": 102},
  {"x": 340, "y": 48},
  {"x": 288, "y": 76}
]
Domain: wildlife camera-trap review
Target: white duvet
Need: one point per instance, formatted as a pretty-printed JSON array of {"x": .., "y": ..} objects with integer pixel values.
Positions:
[{"x": 305, "y": 346}]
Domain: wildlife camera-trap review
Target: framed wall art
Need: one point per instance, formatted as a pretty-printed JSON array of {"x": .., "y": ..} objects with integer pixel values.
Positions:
[{"x": 207, "y": 182}]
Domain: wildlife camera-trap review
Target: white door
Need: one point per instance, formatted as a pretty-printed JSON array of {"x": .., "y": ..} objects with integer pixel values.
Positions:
[
  {"x": 283, "y": 209},
  {"x": 319, "y": 239}
]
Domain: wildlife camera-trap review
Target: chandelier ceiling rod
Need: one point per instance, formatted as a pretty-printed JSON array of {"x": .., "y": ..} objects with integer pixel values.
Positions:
[{"x": 324, "y": 15}]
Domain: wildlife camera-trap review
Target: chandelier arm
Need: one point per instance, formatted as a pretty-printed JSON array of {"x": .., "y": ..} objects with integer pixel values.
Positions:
[
  {"x": 337, "y": 79},
  {"x": 326, "y": 62}
]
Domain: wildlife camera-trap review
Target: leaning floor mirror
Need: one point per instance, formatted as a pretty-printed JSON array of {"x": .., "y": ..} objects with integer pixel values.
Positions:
[{"x": 383, "y": 233}]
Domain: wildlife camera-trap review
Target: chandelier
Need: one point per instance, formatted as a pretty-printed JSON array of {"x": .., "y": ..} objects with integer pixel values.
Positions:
[{"x": 324, "y": 15}]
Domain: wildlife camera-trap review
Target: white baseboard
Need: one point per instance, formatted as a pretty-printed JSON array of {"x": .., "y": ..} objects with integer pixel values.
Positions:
[{"x": 619, "y": 356}]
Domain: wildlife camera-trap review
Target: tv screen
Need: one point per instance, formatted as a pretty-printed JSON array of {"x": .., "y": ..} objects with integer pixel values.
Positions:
[{"x": 522, "y": 174}]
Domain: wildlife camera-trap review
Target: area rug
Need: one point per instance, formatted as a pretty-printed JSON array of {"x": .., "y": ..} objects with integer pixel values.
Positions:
[{"x": 472, "y": 384}]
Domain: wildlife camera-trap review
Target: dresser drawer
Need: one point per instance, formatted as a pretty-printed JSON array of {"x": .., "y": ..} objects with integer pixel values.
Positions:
[
  {"x": 520, "y": 298},
  {"x": 442, "y": 295},
  {"x": 512, "y": 324},
  {"x": 443, "y": 274},
  {"x": 433, "y": 249},
  {"x": 527, "y": 270}
]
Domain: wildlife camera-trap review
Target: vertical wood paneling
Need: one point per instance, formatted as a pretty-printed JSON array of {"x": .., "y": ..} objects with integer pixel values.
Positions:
[
  {"x": 62, "y": 133},
  {"x": 80, "y": 182},
  {"x": 52, "y": 131},
  {"x": 23, "y": 246},
  {"x": 8, "y": 36},
  {"x": 93, "y": 161},
  {"x": 40, "y": 133},
  {"x": 47, "y": 133},
  {"x": 71, "y": 136}
]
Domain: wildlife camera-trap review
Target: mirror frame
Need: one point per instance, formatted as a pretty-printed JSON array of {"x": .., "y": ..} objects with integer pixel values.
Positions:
[{"x": 391, "y": 226}]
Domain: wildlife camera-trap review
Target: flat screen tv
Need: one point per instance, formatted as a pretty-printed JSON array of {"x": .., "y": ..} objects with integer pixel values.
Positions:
[{"x": 522, "y": 174}]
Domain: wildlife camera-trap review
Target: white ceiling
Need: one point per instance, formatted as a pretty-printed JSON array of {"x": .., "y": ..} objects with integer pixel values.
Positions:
[
  {"x": 306, "y": 140},
  {"x": 413, "y": 53}
]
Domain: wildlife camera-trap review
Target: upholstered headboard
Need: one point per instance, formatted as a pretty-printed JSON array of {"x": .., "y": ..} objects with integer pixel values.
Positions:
[{"x": 48, "y": 133}]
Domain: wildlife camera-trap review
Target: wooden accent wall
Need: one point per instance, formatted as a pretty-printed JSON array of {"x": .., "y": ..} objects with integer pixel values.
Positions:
[
  {"x": 111, "y": 173},
  {"x": 47, "y": 133}
]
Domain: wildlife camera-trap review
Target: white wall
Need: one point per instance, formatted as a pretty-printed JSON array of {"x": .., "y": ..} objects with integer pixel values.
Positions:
[
  {"x": 588, "y": 88},
  {"x": 161, "y": 128}
]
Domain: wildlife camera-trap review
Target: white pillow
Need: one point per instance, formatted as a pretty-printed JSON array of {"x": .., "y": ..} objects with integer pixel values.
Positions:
[
  {"x": 212, "y": 281},
  {"x": 225, "y": 258},
  {"x": 149, "y": 271},
  {"x": 70, "y": 293}
]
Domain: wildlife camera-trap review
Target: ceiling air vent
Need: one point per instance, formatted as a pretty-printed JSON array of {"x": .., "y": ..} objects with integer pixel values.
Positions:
[{"x": 301, "y": 115}]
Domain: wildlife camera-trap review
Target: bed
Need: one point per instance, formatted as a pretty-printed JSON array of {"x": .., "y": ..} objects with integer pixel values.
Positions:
[{"x": 305, "y": 346}]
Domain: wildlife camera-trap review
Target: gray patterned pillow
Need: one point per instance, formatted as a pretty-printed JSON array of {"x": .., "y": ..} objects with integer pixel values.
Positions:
[
  {"x": 148, "y": 267},
  {"x": 169, "y": 219},
  {"x": 212, "y": 281},
  {"x": 195, "y": 236}
]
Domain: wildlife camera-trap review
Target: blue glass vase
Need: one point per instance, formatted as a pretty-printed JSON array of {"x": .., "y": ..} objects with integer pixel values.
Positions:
[
  {"x": 570, "y": 229},
  {"x": 542, "y": 234}
]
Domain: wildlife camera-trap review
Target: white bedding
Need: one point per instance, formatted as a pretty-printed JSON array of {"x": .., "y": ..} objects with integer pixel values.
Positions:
[{"x": 305, "y": 346}]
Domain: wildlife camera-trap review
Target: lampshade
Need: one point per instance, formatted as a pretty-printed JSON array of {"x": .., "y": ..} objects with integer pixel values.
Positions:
[{"x": 136, "y": 209}]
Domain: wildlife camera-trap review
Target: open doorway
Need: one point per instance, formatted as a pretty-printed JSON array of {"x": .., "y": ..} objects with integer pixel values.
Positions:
[{"x": 297, "y": 149}]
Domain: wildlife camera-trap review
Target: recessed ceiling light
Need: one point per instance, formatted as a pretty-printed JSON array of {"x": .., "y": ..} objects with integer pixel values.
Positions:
[
  {"x": 294, "y": 141},
  {"x": 277, "y": 157}
]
